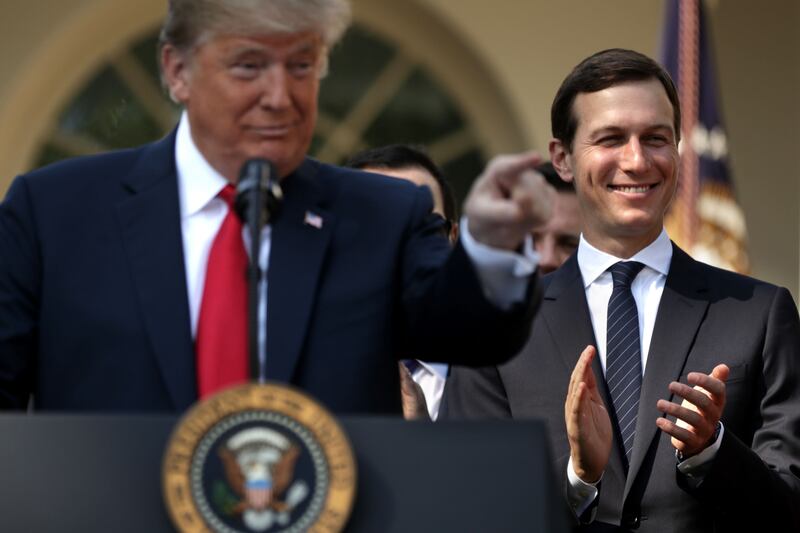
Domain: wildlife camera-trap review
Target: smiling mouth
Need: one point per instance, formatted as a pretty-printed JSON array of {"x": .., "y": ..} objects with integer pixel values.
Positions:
[
  {"x": 272, "y": 131},
  {"x": 636, "y": 189}
]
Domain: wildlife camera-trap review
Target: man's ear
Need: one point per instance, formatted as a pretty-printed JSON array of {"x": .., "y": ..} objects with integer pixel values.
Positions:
[
  {"x": 175, "y": 71},
  {"x": 559, "y": 157},
  {"x": 454, "y": 232}
]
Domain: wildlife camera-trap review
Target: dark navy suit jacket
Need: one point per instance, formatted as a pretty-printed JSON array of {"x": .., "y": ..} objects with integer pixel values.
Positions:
[{"x": 94, "y": 312}]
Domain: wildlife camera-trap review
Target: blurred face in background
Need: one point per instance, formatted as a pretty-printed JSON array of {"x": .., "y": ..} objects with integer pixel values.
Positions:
[{"x": 558, "y": 239}]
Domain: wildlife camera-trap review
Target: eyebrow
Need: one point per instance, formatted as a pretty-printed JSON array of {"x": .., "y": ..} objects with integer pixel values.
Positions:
[{"x": 617, "y": 129}]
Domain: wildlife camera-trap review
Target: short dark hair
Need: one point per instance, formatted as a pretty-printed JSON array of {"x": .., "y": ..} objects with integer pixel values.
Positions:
[
  {"x": 601, "y": 71},
  {"x": 552, "y": 177},
  {"x": 399, "y": 156}
]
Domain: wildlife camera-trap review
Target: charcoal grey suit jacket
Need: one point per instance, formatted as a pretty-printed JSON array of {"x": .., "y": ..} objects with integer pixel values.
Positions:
[{"x": 706, "y": 316}]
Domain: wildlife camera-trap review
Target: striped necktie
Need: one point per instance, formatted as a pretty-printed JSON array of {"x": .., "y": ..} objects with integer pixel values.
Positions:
[{"x": 623, "y": 351}]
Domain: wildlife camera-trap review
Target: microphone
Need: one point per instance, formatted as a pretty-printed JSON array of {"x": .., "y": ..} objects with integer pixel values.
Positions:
[
  {"x": 258, "y": 194},
  {"x": 258, "y": 200}
]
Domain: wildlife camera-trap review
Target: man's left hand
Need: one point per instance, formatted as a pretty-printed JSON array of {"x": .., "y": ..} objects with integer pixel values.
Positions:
[{"x": 698, "y": 414}]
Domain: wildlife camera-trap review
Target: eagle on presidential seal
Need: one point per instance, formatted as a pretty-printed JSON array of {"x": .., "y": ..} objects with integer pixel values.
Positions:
[{"x": 259, "y": 467}]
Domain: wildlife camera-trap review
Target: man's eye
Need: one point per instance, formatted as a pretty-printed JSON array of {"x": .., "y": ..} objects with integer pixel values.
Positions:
[
  {"x": 301, "y": 68},
  {"x": 656, "y": 139},
  {"x": 610, "y": 140},
  {"x": 246, "y": 69},
  {"x": 568, "y": 244}
]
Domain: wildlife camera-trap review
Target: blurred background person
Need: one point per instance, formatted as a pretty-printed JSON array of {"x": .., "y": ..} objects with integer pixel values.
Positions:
[{"x": 558, "y": 238}]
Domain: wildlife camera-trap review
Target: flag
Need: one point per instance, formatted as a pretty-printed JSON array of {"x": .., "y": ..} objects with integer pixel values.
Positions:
[
  {"x": 704, "y": 218},
  {"x": 313, "y": 220}
]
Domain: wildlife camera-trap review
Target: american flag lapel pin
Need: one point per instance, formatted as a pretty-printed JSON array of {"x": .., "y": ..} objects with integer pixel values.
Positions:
[{"x": 313, "y": 220}]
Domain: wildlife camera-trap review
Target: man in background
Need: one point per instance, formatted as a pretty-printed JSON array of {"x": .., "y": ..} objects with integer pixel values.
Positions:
[
  {"x": 558, "y": 238},
  {"x": 682, "y": 409},
  {"x": 413, "y": 164}
]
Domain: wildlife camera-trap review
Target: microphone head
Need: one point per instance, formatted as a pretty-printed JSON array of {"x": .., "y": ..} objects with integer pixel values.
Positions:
[
  {"x": 254, "y": 173},
  {"x": 258, "y": 189}
]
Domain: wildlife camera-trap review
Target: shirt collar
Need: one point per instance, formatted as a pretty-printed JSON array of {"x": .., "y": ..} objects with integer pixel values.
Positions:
[
  {"x": 593, "y": 262},
  {"x": 198, "y": 182},
  {"x": 440, "y": 369}
]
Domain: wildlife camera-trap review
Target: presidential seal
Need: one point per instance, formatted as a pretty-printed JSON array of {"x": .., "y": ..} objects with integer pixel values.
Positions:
[{"x": 259, "y": 458}]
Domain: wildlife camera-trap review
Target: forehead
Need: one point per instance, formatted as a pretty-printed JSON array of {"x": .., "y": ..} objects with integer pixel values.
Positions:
[
  {"x": 281, "y": 44},
  {"x": 641, "y": 104}
]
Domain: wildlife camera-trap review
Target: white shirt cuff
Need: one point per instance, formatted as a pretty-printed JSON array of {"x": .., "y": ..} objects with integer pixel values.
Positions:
[
  {"x": 504, "y": 275},
  {"x": 579, "y": 493},
  {"x": 696, "y": 466}
]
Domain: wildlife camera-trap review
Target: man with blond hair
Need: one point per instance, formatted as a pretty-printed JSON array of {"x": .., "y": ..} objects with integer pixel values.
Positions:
[{"x": 121, "y": 283}]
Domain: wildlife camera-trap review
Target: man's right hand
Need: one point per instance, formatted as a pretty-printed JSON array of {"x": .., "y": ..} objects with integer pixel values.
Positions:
[
  {"x": 588, "y": 423},
  {"x": 508, "y": 200}
]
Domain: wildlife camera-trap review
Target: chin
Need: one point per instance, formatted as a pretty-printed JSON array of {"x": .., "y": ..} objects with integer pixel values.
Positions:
[
  {"x": 642, "y": 228},
  {"x": 267, "y": 150}
]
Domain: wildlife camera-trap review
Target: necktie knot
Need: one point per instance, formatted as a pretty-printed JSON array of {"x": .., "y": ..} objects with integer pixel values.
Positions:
[
  {"x": 228, "y": 193},
  {"x": 624, "y": 272}
]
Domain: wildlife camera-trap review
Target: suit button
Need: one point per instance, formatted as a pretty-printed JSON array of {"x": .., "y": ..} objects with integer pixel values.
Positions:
[{"x": 632, "y": 521}]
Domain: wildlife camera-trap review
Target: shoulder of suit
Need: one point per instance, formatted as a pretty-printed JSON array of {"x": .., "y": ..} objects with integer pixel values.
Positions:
[
  {"x": 78, "y": 171},
  {"x": 362, "y": 177},
  {"x": 732, "y": 284},
  {"x": 367, "y": 185}
]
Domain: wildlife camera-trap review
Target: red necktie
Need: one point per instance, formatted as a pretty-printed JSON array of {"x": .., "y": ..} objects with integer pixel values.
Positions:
[{"x": 222, "y": 325}]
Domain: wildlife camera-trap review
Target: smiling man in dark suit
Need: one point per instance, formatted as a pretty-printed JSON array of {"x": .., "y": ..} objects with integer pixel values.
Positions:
[
  {"x": 682, "y": 409},
  {"x": 122, "y": 275}
]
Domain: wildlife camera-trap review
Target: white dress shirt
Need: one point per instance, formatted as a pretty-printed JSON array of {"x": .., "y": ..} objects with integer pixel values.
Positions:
[
  {"x": 647, "y": 288},
  {"x": 431, "y": 378},
  {"x": 202, "y": 212},
  {"x": 504, "y": 275}
]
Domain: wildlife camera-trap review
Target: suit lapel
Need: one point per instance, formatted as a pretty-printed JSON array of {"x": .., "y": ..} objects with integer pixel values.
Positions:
[
  {"x": 151, "y": 233},
  {"x": 300, "y": 238},
  {"x": 681, "y": 311},
  {"x": 566, "y": 314}
]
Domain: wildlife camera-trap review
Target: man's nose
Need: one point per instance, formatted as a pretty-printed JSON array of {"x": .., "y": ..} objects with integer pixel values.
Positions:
[
  {"x": 634, "y": 157},
  {"x": 548, "y": 260},
  {"x": 275, "y": 91}
]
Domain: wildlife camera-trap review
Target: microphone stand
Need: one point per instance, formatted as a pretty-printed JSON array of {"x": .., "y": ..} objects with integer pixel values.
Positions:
[{"x": 258, "y": 199}]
